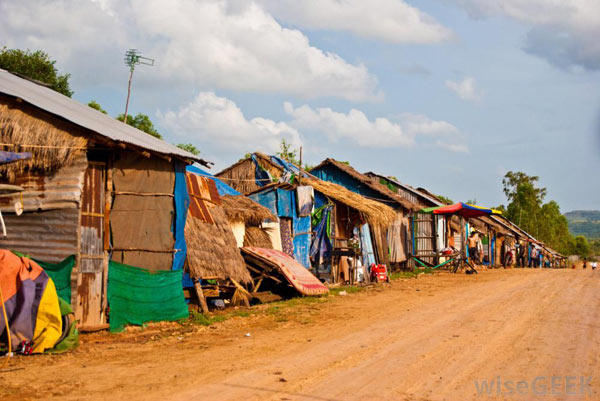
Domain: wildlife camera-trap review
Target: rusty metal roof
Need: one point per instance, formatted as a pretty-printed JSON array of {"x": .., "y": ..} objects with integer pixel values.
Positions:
[{"x": 84, "y": 116}]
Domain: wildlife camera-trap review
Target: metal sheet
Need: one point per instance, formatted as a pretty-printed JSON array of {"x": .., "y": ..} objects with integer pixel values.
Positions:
[
  {"x": 49, "y": 236},
  {"x": 425, "y": 238},
  {"x": 57, "y": 191},
  {"x": 84, "y": 116}
]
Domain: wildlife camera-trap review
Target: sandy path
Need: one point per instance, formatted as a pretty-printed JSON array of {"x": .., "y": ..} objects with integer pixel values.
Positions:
[{"x": 424, "y": 339}]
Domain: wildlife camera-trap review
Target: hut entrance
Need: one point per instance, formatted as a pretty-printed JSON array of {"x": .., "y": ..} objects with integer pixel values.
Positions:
[{"x": 92, "y": 263}]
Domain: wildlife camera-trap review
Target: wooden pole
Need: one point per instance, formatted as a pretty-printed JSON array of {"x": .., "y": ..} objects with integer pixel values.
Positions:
[
  {"x": 301, "y": 169},
  {"x": 128, "y": 93},
  {"x": 200, "y": 294}
]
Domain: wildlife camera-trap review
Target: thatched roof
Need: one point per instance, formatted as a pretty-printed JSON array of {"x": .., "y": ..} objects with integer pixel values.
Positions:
[
  {"x": 23, "y": 125},
  {"x": 376, "y": 213},
  {"x": 384, "y": 191},
  {"x": 240, "y": 175},
  {"x": 240, "y": 209},
  {"x": 258, "y": 237},
  {"x": 212, "y": 249}
]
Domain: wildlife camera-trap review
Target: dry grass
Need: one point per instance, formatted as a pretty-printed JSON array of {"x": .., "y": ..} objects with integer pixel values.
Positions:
[
  {"x": 384, "y": 191},
  {"x": 258, "y": 237},
  {"x": 212, "y": 249},
  {"x": 240, "y": 209},
  {"x": 24, "y": 128}
]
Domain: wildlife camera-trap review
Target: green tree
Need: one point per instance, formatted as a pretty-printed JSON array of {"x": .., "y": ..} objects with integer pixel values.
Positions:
[
  {"x": 513, "y": 179},
  {"x": 472, "y": 201},
  {"x": 582, "y": 246},
  {"x": 37, "y": 66},
  {"x": 287, "y": 153},
  {"x": 188, "y": 147},
  {"x": 95, "y": 105},
  {"x": 141, "y": 122}
]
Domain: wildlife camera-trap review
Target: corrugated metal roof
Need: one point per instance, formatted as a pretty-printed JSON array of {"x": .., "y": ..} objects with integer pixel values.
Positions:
[
  {"x": 84, "y": 116},
  {"x": 407, "y": 188}
]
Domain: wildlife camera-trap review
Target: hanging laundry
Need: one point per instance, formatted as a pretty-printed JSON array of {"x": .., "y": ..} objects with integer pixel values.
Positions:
[
  {"x": 306, "y": 200},
  {"x": 287, "y": 236}
]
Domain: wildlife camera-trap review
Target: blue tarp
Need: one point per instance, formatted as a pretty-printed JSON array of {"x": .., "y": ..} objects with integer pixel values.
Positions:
[
  {"x": 302, "y": 240},
  {"x": 366, "y": 244},
  {"x": 223, "y": 188},
  {"x": 320, "y": 248},
  {"x": 182, "y": 202},
  {"x": 261, "y": 176},
  {"x": 266, "y": 198},
  {"x": 286, "y": 203},
  {"x": 9, "y": 157}
]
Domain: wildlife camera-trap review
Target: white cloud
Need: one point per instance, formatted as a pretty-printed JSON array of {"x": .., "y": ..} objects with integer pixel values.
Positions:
[
  {"x": 220, "y": 122},
  {"x": 387, "y": 20},
  {"x": 465, "y": 89},
  {"x": 453, "y": 147},
  {"x": 206, "y": 43},
  {"x": 356, "y": 127},
  {"x": 565, "y": 32}
]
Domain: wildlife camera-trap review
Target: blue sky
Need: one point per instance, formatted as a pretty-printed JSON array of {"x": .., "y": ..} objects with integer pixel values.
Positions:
[{"x": 444, "y": 94}]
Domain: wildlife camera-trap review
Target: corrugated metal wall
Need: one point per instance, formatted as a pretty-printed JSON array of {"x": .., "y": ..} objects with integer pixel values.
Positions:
[
  {"x": 57, "y": 191},
  {"x": 50, "y": 236}
]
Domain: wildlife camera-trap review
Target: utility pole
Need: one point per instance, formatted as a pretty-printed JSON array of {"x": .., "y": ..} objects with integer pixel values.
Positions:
[{"x": 132, "y": 58}]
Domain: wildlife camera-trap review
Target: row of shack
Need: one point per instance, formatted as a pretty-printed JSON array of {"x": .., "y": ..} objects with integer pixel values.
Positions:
[{"x": 137, "y": 217}]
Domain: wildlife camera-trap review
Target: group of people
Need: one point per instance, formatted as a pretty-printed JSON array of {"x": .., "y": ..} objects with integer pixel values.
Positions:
[
  {"x": 510, "y": 252},
  {"x": 593, "y": 264}
]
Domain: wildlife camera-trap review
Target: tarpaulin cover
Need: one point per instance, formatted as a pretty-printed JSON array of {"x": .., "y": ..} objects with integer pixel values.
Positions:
[
  {"x": 462, "y": 209},
  {"x": 9, "y": 157},
  {"x": 144, "y": 192},
  {"x": 320, "y": 249},
  {"x": 297, "y": 275},
  {"x": 266, "y": 198},
  {"x": 302, "y": 236},
  {"x": 306, "y": 196},
  {"x": 261, "y": 175},
  {"x": 223, "y": 188},
  {"x": 60, "y": 273},
  {"x": 182, "y": 203},
  {"x": 137, "y": 296},
  {"x": 31, "y": 302},
  {"x": 286, "y": 203}
]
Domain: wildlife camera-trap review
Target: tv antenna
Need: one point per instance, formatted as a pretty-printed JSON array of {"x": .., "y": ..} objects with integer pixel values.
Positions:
[{"x": 132, "y": 58}]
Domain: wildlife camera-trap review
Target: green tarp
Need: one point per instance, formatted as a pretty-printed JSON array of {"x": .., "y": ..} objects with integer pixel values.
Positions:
[
  {"x": 59, "y": 272},
  {"x": 137, "y": 296}
]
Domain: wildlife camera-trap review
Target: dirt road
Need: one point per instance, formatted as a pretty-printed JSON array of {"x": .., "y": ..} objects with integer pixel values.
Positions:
[{"x": 432, "y": 338}]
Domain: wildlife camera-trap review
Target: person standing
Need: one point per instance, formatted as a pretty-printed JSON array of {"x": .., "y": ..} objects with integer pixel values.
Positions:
[{"x": 473, "y": 241}]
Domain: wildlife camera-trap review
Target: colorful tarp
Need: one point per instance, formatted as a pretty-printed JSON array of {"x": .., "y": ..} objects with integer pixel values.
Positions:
[
  {"x": 137, "y": 296},
  {"x": 31, "y": 303},
  {"x": 297, "y": 275},
  {"x": 462, "y": 209},
  {"x": 223, "y": 188}
]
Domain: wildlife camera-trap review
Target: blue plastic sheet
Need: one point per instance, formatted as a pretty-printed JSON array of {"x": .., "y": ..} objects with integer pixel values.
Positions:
[
  {"x": 261, "y": 176},
  {"x": 302, "y": 240},
  {"x": 286, "y": 203},
  {"x": 9, "y": 157},
  {"x": 366, "y": 244},
  {"x": 266, "y": 198},
  {"x": 182, "y": 202},
  {"x": 320, "y": 248}
]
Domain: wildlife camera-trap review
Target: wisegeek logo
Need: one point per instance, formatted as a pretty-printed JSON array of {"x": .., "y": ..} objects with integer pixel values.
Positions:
[{"x": 541, "y": 385}]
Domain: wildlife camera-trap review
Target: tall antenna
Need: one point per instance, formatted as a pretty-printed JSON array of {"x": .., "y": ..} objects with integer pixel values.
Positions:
[{"x": 132, "y": 58}]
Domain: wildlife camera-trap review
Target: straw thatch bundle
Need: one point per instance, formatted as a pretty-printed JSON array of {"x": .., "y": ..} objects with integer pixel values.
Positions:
[
  {"x": 24, "y": 129},
  {"x": 240, "y": 209},
  {"x": 212, "y": 249},
  {"x": 258, "y": 237},
  {"x": 241, "y": 175},
  {"x": 384, "y": 191},
  {"x": 375, "y": 213}
]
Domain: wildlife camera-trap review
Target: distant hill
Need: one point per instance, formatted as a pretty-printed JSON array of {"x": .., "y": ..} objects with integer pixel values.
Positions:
[{"x": 584, "y": 222}]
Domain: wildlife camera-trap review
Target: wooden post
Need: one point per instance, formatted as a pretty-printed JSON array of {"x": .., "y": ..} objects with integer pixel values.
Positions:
[
  {"x": 200, "y": 294},
  {"x": 301, "y": 169}
]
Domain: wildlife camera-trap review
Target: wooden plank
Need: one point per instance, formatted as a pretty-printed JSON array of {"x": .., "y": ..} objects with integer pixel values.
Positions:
[{"x": 200, "y": 294}]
